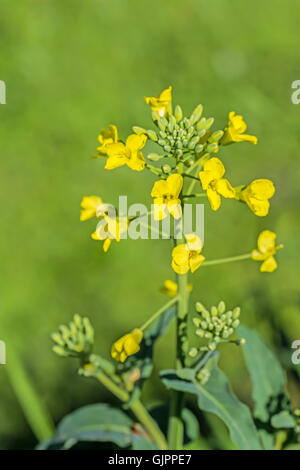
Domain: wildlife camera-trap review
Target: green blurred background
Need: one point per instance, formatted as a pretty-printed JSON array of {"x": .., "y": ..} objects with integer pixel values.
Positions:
[{"x": 73, "y": 67}]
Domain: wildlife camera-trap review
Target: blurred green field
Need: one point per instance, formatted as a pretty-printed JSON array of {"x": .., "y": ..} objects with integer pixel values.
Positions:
[{"x": 73, "y": 67}]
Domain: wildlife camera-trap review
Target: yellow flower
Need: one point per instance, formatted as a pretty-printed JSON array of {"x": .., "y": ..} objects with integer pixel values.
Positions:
[
  {"x": 161, "y": 103},
  {"x": 256, "y": 196},
  {"x": 265, "y": 250},
  {"x": 187, "y": 256},
  {"x": 129, "y": 154},
  {"x": 110, "y": 229},
  {"x": 107, "y": 137},
  {"x": 214, "y": 184},
  {"x": 170, "y": 288},
  {"x": 89, "y": 207},
  {"x": 127, "y": 345},
  {"x": 234, "y": 132},
  {"x": 166, "y": 197}
]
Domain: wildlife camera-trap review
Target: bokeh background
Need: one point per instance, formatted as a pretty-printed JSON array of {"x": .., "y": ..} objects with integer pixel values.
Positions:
[{"x": 72, "y": 68}]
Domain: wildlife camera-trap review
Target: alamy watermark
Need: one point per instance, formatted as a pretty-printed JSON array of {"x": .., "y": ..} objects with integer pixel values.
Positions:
[
  {"x": 295, "y": 97},
  {"x": 296, "y": 353},
  {"x": 2, "y": 92},
  {"x": 2, "y": 352},
  {"x": 137, "y": 222}
]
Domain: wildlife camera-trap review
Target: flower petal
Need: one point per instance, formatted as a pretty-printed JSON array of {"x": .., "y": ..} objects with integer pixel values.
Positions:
[
  {"x": 196, "y": 261},
  {"x": 269, "y": 265},
  {"x": 214, "y": 199},
  {"x": 175, "y": 183},
  {"x": 224, "y": 188},
  {"x": 266, "y": 242}
]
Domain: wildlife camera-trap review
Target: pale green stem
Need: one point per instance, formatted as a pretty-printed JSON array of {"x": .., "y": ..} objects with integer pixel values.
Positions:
[
  {"x": 226, "y": 260},
  {"x": 137, "y": 408},
  {"x": 159, "y": 312}
]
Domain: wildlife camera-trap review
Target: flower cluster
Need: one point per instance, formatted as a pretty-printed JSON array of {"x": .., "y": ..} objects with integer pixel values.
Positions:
[
  {"x": 74, "y": 340},
  {"x": 215, "y": 326},
  {"x": 190, "y": 144}
]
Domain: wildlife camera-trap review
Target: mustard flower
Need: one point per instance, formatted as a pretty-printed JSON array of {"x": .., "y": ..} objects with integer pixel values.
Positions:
[
  {"x": 166, "y": 197},
  {"x": 214, "y": 184},
  {"x": 186, "y": 256},
  {"x": 110, "y": 229},
  {"x": 234, "y": 132},
  {"x": 170, "y": 288},
  {"x": 89, "y": 207},
  {"x": 129, "y": 154},
  {"x": 256, "y": 195},
  {"x": 127, "y": 345},
  {"x": 161, "y": 103},
  {"x": 107, "y": 137},
  {"x": 266, "y": 250}
]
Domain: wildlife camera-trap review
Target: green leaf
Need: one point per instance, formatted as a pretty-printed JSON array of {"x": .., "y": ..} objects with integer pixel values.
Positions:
[
  {"x": 97, "y": 423},
  {"x": 266, "y": 374},
  {"x": 216, "y": 397}
]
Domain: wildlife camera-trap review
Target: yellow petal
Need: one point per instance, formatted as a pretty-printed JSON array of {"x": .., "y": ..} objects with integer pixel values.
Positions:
[
  {"x": 247, "y": 138},
  {"x": 180, "y": 254},
  {"x": 174, "y": 206},
  {"x": 117, "y": 156},
  {"x": 160, "y": 188},
  {"x": 224, "y": 188},
  {"x": 180, "y": 269},
  {"x": 160, "y": 209},
  {"x": 269, "y": 265},
  {"x": 196, "y": 261},
  {"x": 135, "y": 142},
  {"x": 260, "y": 208},
  {"x": 89, "y": 205},
  {"x": 175, "y": 183},
  {"x": 261, "y": 189},
  {"x": 161, "y": 103},
  {"x": 107, "y": 244},
  {"x": 214, "y": 199},
  {"x": 194, "y": 243},
  {"x": 215, "y": 167},
  {"x": 136, "y": 162},
  {"x": 266, "y": 242},
  {"x": 170, "y": 288}
]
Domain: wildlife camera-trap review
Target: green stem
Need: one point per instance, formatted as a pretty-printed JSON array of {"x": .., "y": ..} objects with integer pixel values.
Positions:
[
  {"x": 137, "y": 408},
  {"x": 175, "y": 429},
  {"x": 226, "y": 260},
  {"x": 159, "y": 312},
  {"x": 150, "y": 425},
  {"x": 194, "y": 195}
]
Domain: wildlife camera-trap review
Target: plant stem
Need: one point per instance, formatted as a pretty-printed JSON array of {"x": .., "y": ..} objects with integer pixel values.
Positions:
[
  {"x": 175, "y": 430},
  {"x": 137, "y": 408},
  {"x": 150, "y": 425},
  {"x": 226, "y": 260},
  {"x": 159, "y": 312}
]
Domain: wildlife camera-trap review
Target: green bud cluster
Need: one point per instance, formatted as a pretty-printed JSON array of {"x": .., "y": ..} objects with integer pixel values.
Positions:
[
  {"x": 215, "y": 326},
  {"x": 182, "y": 137},
  {"x": 74, "y": 340}
]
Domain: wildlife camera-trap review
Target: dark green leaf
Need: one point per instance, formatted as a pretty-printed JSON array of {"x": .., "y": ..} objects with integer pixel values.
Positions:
[
  {"x": 265, "y": 371},
  {"x": 95, "y": 423},
  {"x": 216, "y": 397}
]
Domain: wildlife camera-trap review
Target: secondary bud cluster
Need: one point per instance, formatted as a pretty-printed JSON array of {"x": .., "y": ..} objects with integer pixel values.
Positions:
[
  {"x": 216, "y": 325},
  {"x": 74, "y": 340}
]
